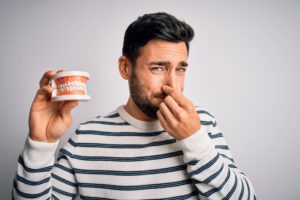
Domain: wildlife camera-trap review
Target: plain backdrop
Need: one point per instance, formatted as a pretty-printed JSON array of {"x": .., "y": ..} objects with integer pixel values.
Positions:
[{"x": 244, "y": 69}]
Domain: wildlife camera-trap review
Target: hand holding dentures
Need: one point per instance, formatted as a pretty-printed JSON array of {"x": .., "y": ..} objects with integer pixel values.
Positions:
[{"x": 50, "y": 113}]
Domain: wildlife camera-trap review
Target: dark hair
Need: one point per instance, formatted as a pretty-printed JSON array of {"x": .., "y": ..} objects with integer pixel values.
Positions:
[{"x": 154, "y": 26}]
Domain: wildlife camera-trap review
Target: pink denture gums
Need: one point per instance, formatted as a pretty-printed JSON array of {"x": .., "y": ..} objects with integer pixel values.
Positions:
[{"x": 69, "y": 85}]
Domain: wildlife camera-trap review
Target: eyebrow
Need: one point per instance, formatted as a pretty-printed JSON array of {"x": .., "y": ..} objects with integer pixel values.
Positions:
[{"x": 165, "y": 63}]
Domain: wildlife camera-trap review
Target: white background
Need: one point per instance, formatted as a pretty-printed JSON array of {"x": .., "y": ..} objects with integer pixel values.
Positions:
[{"x": 244, "y": 69}]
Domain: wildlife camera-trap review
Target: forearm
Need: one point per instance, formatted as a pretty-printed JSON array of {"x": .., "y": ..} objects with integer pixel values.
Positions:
[
  {"x": 212, "y": 169},
  {"x": 34, "y": 171}
]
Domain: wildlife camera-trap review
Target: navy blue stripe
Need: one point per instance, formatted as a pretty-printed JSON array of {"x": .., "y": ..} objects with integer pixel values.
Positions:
[
  {"x": 71, "y": 171},
  {"x": 232, "y": 166},
  {"x": 54, "y": 197},
  {"x": 242, "y": 190},
  {"x": 217, "y": 135},
  {"x": 93, "y": 198},
  {"x": 224, "y": 156},
  {"x": 31, "y": 170},
  {"x": 126, "y": 134},
  {"x": 68, "y": 194},
  {"x": 123, "y": 159},
  {"x": 62, "y": 157},
  {"x": 64, "y": 180},
  {"x": 214, "y": 190},
  {"x": 248, "y": 189},
  {"x": 206, "y": 166},
  {"x": 131, "y": 173},
  {"x": 193, "y": 162},
  {"x": 225, "y": 147},
  {"x": 28, "y": 182},
  {"x": 30, "y": 196},
  {"x": 230, "y": 193},
  {"x": 112, "y": 115},
  {"x": 204, "y": 112},
  {"x": 207, "y": 123},
  {"x": 182, "y": 197},
  {"x": 121, "y": 146},
  {"x": 106, "y": 123},
  {"x": 136, "y": 187},
  {"x": 212, "y": 177}
]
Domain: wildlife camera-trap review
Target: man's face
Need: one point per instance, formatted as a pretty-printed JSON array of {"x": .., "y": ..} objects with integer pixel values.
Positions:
[{"x": 159, "y": 63}]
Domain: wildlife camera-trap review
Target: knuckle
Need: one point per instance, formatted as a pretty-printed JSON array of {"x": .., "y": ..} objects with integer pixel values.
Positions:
[
  {"x": 174, "y": 125},
  {"x": 46, "y": 88},
  {"x": 177, "y": 113},
  {"x": 184, "y": 117},
  {"x": 48, "y": 73}
]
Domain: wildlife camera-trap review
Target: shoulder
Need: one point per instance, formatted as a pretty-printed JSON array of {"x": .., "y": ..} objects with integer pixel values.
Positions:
[
  {"x": 206, "y": 117},
  {"x": 112, "y": 118},
  {"x": 204, "y": 113}
]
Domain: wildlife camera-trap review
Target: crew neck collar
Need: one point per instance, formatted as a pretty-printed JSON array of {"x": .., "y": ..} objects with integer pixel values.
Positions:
[{"x": 144, "y": 125}]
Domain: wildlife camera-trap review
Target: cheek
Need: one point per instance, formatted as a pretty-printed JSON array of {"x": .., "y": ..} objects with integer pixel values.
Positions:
[
  {"x": 152, "y": 87},
  {"x": 155, "y": 84},
  {"x": 180, "y": 82}
]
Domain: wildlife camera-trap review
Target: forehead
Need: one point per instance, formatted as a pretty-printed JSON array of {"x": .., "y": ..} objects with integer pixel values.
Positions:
[{"x": 164, "y": 50}]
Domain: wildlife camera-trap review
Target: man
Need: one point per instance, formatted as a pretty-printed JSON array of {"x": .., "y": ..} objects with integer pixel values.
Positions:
[{"x": 157, "y": 146}]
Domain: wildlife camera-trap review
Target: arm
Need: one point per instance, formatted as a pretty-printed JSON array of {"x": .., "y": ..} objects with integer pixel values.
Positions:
[
  {"x": 38, "y": 177},
  {"x": 48, "y": 121},
  {"x": 211, "y": 166},
  {"x": 209, "y": 161}
]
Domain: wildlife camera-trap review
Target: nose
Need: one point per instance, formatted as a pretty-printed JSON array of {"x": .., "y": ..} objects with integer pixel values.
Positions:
[{"x": 170, "y": 79}]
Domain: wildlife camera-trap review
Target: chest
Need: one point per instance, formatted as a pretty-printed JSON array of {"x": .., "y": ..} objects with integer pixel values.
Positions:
[{"x": 133, "y": 170}]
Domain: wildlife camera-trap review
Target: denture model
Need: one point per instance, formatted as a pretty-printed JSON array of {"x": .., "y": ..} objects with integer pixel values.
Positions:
[{"x": 70, "y": 85}]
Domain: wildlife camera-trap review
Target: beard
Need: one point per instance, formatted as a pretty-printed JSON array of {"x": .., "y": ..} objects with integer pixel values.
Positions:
[{"x": 140, "y": 98}]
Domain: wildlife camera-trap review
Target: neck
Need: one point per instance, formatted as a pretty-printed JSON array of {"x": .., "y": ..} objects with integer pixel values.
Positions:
[{"x": 135, "y": 112}]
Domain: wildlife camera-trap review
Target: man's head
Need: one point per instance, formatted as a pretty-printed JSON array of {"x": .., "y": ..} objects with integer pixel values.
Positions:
[
  {"x": 160, "y": 26},
  {"x": 155, "y": 52}
]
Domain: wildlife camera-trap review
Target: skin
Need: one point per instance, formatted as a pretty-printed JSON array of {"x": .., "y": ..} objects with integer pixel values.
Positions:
[
  {"x": 48, "y": 121},
  {"x": 160, "y": 70}
]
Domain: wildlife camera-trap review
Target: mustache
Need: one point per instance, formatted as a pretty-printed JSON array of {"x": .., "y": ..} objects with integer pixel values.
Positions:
[{"x": 161, "y": 95}]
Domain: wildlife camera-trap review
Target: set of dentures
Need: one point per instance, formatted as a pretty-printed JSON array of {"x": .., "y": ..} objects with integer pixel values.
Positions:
[{"x": 70, "y": 85}]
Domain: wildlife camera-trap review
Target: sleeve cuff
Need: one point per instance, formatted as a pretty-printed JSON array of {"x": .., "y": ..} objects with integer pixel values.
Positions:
[
  {"x": 39, "y": 153},
  {"x": 197, "y": 145}
]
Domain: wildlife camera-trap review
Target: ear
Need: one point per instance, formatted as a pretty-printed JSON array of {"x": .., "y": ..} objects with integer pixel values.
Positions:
[{"x": 125, "y": 67}]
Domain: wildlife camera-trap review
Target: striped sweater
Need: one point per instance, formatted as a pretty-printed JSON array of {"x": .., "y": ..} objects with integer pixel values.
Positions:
[{"x": 119, "y": 157}]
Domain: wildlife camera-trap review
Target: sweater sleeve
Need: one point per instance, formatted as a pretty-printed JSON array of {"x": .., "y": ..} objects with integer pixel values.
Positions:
[
  {"x": 211, "y": 166},
  {"x": 39, "y": 177}
]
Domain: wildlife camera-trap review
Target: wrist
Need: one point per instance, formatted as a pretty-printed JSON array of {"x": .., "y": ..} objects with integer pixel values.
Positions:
[
  {"x": 38, "y": 138},
  {"x": 196, "y": 146},
  {"x": 196, "y": 130},
  {"x": 38, "y": 153}
]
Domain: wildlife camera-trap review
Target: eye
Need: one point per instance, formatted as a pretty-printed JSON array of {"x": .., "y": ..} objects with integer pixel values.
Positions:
[
  {"x": 157, "y": 69},
  {"x": 181, "y": 69}
]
